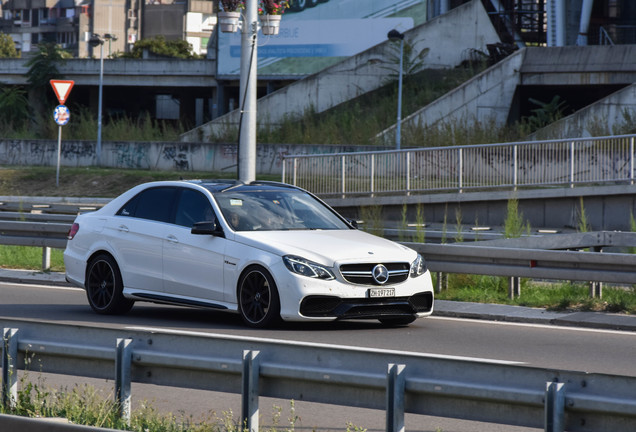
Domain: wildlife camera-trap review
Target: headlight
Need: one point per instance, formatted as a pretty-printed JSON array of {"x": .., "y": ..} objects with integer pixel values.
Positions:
[
  {"x": 418, "y": 267},
  {"x": 310, "y": 269}
]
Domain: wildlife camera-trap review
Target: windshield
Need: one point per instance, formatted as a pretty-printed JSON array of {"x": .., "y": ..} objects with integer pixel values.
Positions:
[{"x": 260, "y": 210}]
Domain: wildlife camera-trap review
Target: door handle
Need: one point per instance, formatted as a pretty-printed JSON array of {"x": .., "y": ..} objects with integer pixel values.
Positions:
[
  {"x": 172, "y": 239},
  {"x": 123, "y": 228}
]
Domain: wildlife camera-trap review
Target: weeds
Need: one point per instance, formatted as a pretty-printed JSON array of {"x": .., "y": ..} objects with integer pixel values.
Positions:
[
  {"x": 583, "y": 224},
  {"x": 85, "y": 405},
  {"x": 552, "y": 296},
  {"x": 513, "y": 224},
  {"x": 373, "y": 221},
  {"x": 459, "y": 237},
  {"x": 420, "y": 232}
]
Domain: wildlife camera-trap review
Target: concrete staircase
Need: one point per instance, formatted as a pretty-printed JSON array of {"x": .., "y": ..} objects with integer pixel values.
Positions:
[{"x": 449, "y": 37}]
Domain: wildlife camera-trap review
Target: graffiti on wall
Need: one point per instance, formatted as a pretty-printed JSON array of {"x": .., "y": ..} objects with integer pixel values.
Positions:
[{"x": 130, "y": 155}]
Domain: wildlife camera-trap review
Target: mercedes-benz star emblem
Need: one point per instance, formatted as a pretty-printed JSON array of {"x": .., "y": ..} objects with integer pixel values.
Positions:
[{"x": 380, "y": 274}]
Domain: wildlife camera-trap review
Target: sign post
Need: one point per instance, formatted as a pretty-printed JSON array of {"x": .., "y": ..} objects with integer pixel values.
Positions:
[{"x": 61, "y": 115}]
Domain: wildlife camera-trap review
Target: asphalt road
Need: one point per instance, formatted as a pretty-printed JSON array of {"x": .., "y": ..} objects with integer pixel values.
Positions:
[{"x": 545, "y": 346}]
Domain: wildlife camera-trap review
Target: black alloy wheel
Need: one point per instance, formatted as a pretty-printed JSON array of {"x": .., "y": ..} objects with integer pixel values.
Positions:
[
  {"x": 258, "y": 300},
  {"x": 104, "y": 287}
]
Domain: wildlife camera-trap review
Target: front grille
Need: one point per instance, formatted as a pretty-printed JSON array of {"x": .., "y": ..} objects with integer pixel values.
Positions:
[{"x": 362, "y": 274}]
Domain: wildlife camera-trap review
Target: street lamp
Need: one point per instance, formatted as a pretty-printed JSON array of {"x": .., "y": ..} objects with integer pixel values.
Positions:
[
  {"x": 94, "y": 41},
  {"x": 395, "y": 36}
]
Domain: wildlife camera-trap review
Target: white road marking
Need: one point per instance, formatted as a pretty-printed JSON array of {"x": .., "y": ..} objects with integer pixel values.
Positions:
[
  {"x": 541, "y": 326},
  {"x": 317, "y": 344},
  {"x": 54, "y": 287}
]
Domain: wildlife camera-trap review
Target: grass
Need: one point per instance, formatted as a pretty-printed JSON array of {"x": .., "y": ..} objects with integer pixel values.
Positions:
[
  {"x": 552, "y": 296},
  {"x": 29, "y": 258},
  {"x": 85, "y": 405}
]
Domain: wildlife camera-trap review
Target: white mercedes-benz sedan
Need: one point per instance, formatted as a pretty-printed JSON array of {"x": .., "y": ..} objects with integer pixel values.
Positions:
[{"x": 265, "y": 250}]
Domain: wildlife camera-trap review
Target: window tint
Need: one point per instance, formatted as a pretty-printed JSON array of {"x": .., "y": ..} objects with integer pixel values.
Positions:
[
  {"x": 153, "y": 204},
  {"x": 193, "y": 207}
]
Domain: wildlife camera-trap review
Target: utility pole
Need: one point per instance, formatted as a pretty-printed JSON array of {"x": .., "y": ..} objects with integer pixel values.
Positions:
[{"x": 247, "y": 102}]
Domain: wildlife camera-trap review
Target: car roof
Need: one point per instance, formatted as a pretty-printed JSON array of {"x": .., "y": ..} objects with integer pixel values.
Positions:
[{"x": 220, "y": 186}]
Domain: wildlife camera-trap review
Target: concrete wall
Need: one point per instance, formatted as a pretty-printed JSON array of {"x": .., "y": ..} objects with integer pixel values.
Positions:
[
  {"x": 155, "y": 155},
  {"x": 449, "y": 37}
]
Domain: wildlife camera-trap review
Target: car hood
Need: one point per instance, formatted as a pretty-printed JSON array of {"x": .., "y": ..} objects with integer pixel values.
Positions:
[{"x": 327, "y": 247}]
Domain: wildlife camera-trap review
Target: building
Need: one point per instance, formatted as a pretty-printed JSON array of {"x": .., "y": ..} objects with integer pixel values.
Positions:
[{"x": 71, "y": 23}]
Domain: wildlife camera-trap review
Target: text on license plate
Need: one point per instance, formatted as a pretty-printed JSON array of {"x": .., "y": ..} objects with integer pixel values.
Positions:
[{"x": 382, "y": 292}]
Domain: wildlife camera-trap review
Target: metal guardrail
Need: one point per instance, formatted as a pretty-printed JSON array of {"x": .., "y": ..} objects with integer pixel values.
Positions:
[
  {"x": 510, "y": 165},
  {"x": 529, "y": 263},
  {"x": 39, "y": 230},
  {"x": 41, "y": 222},
  {"x": 395, "y": 381}
]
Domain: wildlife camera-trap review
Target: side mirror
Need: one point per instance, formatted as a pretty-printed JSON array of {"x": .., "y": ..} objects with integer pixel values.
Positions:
[
  {"x": 207, "y": 228},
  {"x": 353, "y": 223}
]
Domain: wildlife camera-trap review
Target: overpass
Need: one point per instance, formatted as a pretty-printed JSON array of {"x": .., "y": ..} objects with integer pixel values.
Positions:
[{"x": 165, "y": 88}]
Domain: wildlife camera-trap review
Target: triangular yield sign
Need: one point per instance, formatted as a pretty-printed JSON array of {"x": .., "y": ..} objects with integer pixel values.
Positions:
[{"x": 62, "y": 89}]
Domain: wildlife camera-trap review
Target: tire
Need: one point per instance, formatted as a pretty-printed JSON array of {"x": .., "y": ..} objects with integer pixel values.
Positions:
[
  {"x": 104, "y": 287},
  {"x": 312, "y": 3},
  {"x": 397, "y": 322},
  {"x": 257, "y": 296}
]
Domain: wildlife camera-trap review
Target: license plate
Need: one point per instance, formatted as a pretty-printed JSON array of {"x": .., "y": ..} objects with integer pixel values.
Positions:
[{"x": 382, "y": 292}]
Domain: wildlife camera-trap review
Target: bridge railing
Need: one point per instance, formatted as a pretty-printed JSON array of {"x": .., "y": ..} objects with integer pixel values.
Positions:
[{"x": 475, "y": 167}]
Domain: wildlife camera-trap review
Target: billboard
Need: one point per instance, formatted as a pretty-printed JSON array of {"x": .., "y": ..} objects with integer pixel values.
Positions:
[{"x": 316, "y": 37}]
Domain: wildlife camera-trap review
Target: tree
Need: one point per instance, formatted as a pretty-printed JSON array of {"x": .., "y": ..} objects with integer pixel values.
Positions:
[
  {"x": 7, "y": 46},
  {"x": 14, "y": 106},
  {"x": 159, "y": 46},
  {"x": 42, "y": 69}
]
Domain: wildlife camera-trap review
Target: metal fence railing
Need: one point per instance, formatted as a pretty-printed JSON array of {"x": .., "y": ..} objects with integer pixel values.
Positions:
[{"x": 511, "y": 165}]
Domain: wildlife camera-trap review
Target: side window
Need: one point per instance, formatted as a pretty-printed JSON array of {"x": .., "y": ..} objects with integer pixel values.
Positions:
[
  {"x": 153, "y": 204},
  {"x": 193, "y": 207}
]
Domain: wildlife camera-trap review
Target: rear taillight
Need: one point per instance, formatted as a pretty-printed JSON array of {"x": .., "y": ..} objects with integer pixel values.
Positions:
[{"x": 71, "y": 233}]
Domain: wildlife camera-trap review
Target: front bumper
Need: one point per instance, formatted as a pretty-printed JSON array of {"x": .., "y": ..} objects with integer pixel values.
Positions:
[{"x": 320, "y": 306}]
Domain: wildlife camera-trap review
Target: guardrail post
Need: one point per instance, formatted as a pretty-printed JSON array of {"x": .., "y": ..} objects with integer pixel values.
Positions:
[
  {"x": 123, "y": 360},
  {"x": 596, "y": 289},
  {"x": 395, "y": 398},
  {"x": 441, "y": 282},
  {"x": 514, "y": 287},
  {"x": 9, "y": 368},
  {"x": 249, "y": 394},
  {"x": 46, "y": 258},
  {"x": 554, "y": 407}
]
